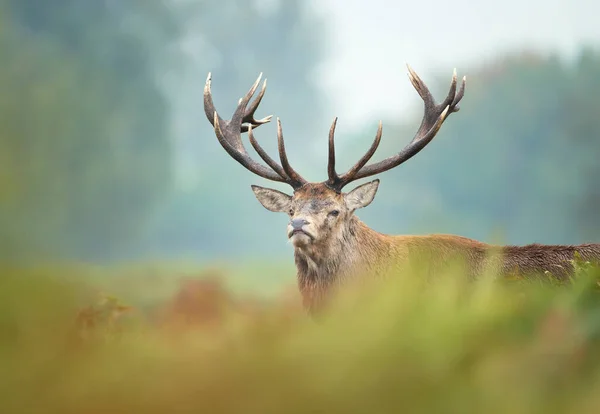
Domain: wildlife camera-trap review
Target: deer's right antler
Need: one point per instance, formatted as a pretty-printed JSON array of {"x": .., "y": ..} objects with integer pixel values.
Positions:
[{"x": 229, "y": 132}]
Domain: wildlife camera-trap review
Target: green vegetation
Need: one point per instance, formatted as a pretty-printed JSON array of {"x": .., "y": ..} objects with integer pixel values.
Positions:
[{"x": 405, "y": 346}]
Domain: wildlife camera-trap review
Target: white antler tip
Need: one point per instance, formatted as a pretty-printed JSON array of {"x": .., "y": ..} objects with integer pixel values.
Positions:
[{"x": 216, "y": 122}]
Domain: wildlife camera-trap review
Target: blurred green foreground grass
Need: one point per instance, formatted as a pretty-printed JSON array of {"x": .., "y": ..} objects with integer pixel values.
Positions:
[{"x": 66, "y": 346}]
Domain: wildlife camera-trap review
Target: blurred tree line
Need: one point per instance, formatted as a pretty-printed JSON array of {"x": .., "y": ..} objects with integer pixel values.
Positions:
[
  {"x": 84, "y": 143},
  {"x": 520, "y": 163},
  {"x": 106, "y": 152}
]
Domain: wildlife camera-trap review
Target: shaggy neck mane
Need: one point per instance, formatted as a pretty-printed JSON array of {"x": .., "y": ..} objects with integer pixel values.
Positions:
[{"x": 324, "y": 265}]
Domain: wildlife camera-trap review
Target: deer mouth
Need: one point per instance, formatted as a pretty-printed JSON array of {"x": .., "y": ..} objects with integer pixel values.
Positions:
[{"x": 299, "y": 232}]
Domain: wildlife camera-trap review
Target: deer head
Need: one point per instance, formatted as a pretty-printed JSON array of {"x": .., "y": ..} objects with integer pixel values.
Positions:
[{"x": 320, "y": 212}]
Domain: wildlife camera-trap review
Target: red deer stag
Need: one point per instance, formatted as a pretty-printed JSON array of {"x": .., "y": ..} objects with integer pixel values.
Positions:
[{"x": 331, "y": 245}]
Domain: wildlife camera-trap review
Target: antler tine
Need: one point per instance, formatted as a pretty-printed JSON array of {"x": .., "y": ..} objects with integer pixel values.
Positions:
[
  {"x": 333, "y": 177},
  {"x": 420, "y": 86},
  {"x": 229, "y": 132},
  {"x": 240, "y": 114},
  {"x": 263, "y": 154},
  {"x": 242, "y": 156},
  {"x": 294, "y": 179},
  {"x": 249, "y": 115},
  {"x": 452, "y": 92},
  {"x": 453, "y": 98},
  {"x": 433, "y": 117},
  {"x": 349, "y": 176},
  {"x": 337, "y": 182},
  {"x": 461, "y": 92},
  {"x": 209, "y": 106}
]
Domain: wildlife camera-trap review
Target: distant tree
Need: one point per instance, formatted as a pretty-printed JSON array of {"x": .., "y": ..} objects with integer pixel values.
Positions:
[
  {"x": 84, "y": 139},
  {"x": 582, "y": 135}
]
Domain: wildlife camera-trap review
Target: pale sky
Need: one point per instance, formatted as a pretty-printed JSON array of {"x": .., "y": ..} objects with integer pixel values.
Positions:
[{"x": 373, "y": 40}]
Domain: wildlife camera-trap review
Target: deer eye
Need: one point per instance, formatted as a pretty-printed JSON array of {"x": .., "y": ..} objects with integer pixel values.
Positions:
[{"x": 334, "y": 213}]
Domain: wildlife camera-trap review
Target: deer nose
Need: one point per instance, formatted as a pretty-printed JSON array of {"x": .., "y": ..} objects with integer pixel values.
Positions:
[{"x": 298, "y": 223}]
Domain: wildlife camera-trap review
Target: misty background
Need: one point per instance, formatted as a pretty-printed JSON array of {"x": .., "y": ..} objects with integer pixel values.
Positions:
[{"x": 106, "y": 154}]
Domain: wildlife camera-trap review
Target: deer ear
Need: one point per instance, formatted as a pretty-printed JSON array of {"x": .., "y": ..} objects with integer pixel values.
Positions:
[
  {"x": 272, "y": 200},
  {"x": 362, "y": 195}
]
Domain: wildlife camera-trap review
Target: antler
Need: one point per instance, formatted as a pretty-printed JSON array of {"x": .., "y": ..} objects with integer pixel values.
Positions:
[
  {"x": 433, "y": 118},
  {"x": 229, "y": 132}
]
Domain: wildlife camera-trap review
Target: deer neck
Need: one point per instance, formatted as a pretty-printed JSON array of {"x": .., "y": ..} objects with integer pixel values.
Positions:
[
  {"x": 325, "y": 267},
  {"x": 331, "y": 262}
]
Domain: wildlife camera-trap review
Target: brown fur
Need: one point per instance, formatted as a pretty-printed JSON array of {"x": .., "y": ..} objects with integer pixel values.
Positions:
[{"x": 347, "y": 249}]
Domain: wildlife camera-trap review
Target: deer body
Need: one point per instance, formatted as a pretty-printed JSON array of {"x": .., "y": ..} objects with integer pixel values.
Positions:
[
  {"x": 343, "y": 248},
  {"x": 368, "y": 252},
  {"x": 332, "y": 246}
]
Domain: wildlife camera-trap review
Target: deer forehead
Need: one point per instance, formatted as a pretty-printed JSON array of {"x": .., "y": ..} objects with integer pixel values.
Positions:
[{"x": 315, "y": 197}]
